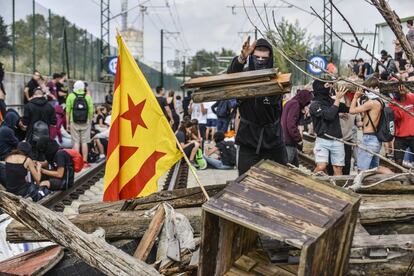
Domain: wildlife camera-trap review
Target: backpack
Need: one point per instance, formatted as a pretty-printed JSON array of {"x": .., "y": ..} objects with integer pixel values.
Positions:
[
  {"x": 77, "y": 159},
  {"x": 385, "y": 129},
  {"x": 200, "y": 160},
  {"x": 223, "y": 109},
  {"x": 228, "y": 153},
  {"x": 80, "y": 109},
  {"x": 40, "y": 129}
]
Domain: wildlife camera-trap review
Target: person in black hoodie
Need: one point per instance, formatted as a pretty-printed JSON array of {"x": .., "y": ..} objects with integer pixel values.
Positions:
[
  {"x": 8, "y": 140},
  {"x": 325, "y": 116},
  {"x": 38, "y": 117},
  {"x": 259, "y": 134}
]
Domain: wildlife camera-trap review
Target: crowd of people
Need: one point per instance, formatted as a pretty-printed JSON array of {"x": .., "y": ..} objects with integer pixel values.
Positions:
[{"x": 59, "y": 132}]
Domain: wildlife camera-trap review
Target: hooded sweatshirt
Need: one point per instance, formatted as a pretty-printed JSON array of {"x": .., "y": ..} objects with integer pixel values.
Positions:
[
  {"x": 37, "y": 109},
  {"x": 8, "y": 140},
  {"x": 291, "y": 116},
  {"x": 325, "y": 115},
  {"x": 260, "y": 117}
]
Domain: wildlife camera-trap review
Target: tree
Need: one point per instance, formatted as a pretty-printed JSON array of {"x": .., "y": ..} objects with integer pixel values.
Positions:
[
  {"x": 5, "y": 46},
  {"x": 295, "y": 42},
  {"x": 210, "y": 63}
]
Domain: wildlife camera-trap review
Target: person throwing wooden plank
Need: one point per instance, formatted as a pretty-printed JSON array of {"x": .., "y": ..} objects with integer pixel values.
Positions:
[{"x": 259, "y": 133}]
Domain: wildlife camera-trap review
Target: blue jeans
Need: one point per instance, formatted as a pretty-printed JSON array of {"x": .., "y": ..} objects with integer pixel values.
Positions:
[
  {"x": 222, "y": 124},
  {"x": 325, "y": 148},
  {"x": 365, "y": 159},
  {"x": 217, "y": 164}
]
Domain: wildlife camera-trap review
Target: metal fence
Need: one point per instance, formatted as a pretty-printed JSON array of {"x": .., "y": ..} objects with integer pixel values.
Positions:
[{"x": 32, "y": 37}]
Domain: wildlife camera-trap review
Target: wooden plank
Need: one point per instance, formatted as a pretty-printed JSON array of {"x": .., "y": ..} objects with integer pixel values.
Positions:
[
  {"x": 234, "y": 271},
  {"x": 283, "y": 204},
  {"x": 288, "y": 188},
  {"x": 150, "y": 235},
  {"x": 275, "y": 227},
  {"x": 34, "y": 262},
  {"x": 255, "y": 80},
  {"x": 88, "y": 247},
  {"x": 179, "y": 198},
  {"x": 209, "y": 244},
  {"x": 306, "y": 181},
  {"x": 393, "y": 86},
  {"x": 229, "y": 78},
  {"x": 245, "y": 263},
  {"x": 388, "y": 211},
  {"x": 281, "y": 85},
  {"x": 117, "y": 225}
]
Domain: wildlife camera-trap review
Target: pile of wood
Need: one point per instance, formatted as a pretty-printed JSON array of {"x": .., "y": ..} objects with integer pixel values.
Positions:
[{"x": 249, "y": 84}]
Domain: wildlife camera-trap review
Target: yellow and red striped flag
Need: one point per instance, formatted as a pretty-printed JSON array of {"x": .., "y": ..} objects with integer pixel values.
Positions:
[{"x": 141, "y": 146}]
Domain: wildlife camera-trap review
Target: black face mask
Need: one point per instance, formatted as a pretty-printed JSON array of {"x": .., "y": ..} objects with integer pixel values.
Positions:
[{"x": 260, "y": 63}]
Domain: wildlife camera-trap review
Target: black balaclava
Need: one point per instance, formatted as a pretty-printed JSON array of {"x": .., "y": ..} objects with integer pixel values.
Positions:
[
  {"x": 321, "y": 92},
  {"x": 255, "y": 64}
]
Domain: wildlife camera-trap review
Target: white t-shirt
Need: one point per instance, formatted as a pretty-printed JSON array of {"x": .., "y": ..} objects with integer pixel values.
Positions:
[
  {"x": 210, "y": 113},
  {"x": 197, "y": 114}
]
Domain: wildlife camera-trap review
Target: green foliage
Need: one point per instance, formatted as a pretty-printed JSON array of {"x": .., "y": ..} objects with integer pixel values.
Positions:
[
  {"x": 82, "y": 48},
  {"x": 5, "y": 46},
  {"x": 213, "y": 62},
  {"x": 294, "y": 40}
]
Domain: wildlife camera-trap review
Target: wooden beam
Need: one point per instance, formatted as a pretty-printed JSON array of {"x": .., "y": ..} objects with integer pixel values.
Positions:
[
  {"x": 148, "y": 240},
  {"x": 117, "y": 225},
  {"x": 280, "y": 85},
  {"x": 393, "y": 86},
  {"x": 180, "y": 198},
  {"x": 93, "y": 250},
  {"x": 226, "y": 79},
  {"x": 387, "y": 211},
  {"x": 392, "y": 20}
]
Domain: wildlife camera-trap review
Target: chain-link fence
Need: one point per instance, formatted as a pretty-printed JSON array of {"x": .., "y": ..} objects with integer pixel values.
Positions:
[{"x": 33, "y": 37}]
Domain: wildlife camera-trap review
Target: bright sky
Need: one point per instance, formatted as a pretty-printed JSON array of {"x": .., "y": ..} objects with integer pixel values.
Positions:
[{"x": 210, "y": 24}]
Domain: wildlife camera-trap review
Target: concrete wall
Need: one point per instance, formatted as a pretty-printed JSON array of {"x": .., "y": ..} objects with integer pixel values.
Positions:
[{"x": 14, "y": 84}]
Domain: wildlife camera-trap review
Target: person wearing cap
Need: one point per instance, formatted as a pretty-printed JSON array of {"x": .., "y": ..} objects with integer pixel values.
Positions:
[
  {"x": 258, "y": 130},
  {"x": 325, "y": 117},
  {"x": 79, "y": 113},
  {"x": 18, "y": 164}
]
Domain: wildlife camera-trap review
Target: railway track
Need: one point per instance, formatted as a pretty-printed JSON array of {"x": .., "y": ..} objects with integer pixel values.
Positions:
[
  {"x": 59, "y": 199},
  {"x": 177, "y": 176}
]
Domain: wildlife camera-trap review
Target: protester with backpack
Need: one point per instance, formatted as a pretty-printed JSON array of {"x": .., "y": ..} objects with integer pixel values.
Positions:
[
  {"x": 226, "y": 151},
  {"x": 62, "y": 173},
  {"x": 79, "y": 113},
  {"x": 404, "y": 123},
  {"x": 38, "y": 117},
  {"x": 371, "y": 108}
]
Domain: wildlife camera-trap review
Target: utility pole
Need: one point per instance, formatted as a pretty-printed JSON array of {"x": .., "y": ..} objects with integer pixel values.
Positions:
[
  {"x": 327, "y": 29},
  {"x": 162, "y": 59},
  {"x": 163, "y": 32},
  {"x": 184, "y": 70},
  {"x": 34, "y": 37}
]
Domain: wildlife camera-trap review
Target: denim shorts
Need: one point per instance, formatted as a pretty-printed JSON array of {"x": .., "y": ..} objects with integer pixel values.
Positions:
[
  {"x": 211, "y": 123},
  {"x": 325, "y": 148},
  {"x": 366, "y": 160}
]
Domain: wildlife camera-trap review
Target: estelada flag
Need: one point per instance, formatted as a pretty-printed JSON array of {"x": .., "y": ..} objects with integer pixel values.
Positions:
[{"x": 141, "y": 145}]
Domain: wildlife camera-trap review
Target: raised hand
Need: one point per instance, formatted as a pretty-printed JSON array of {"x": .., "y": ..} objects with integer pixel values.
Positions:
[
  {"x": 247, "y": 48},
  {"x": 340, "y": 92}
]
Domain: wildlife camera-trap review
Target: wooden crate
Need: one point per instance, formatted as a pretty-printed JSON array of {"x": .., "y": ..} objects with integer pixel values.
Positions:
[{"x": 315, "y": 217}]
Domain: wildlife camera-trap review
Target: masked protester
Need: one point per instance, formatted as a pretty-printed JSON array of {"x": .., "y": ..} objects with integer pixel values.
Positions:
[
  {"x": 259, "y": 133},
  {"x": 325, "y": 116}
]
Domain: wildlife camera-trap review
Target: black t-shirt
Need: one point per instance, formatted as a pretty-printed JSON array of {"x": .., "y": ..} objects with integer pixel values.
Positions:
[
  {"x": 163, "y": 103},
  {"x": 32, "y": 85},
  {"x": 181, "y": 137},
  {"x": 61, "y": 88},
  {"x": 63, "y": 159}
]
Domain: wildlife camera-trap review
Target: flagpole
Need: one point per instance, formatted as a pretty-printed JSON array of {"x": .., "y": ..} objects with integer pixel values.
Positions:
[{"x": 192, "y": 169}]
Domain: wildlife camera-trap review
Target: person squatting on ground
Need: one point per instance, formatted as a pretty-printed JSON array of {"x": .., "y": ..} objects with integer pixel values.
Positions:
[
  {"x": 259, "y": 132},
  {"x": 189, "y": 145},
  {"x": 226, "y": 152},
  {"x": 291, "y": 115},
  {"x": 18, "y": 166},
  {"x": 61, "y": 175},
  {"x": 325, "y": 116}
]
